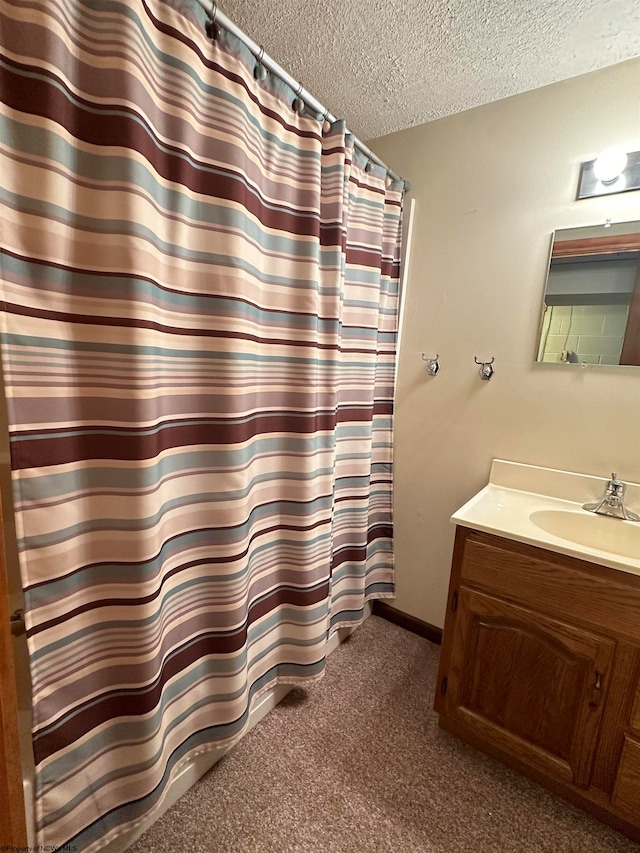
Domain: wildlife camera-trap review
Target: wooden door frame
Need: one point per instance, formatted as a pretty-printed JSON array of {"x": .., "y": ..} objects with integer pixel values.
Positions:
[
  {"x": 631, "y": 344},
  {"x": 13, "y": 827}
]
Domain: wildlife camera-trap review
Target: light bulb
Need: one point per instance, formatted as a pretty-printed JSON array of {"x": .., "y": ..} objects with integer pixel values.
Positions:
[{"x": 610, "y": 165}]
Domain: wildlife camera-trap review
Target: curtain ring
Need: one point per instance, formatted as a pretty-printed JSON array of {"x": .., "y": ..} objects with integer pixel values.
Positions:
[
  {"x": 211, "y": 28},
  {"x": 260, "y": 72},
  {"x": 298, "y": 103}
]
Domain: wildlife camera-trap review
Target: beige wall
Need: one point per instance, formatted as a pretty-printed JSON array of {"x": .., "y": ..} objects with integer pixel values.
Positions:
[{"x": 490, "y": 185}]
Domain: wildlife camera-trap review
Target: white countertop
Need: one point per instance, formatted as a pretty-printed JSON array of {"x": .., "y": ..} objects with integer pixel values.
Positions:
[{"x": 516, "y": 492}]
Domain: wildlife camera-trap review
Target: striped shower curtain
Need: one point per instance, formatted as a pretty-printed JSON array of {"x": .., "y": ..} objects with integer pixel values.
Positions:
[{"x": 199, "y": 302}]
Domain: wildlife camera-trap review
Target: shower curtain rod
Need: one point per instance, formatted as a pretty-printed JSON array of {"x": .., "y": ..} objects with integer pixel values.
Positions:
[{"x": 218, "y": 17}]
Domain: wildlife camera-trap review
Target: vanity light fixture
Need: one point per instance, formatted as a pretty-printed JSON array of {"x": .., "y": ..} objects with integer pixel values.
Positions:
[
  {"x": 610, "y": 165},
  {"x": 612, "y": 171}
]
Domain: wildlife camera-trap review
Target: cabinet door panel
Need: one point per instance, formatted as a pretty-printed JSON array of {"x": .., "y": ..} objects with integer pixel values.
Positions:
[
  {"x": 635, "y": 713},
  {"x": 626, "y": 794},
  {"x": 529, "y": 684}
]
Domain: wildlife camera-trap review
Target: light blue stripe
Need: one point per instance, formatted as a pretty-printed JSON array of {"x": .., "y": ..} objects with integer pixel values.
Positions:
[
  {"x": 150, "y": 569},
  {"x": 98, "y": 478},
  {"x": 176, "y": 354},
  {"x": 218, "y": 536},
  {"x": 70, "y": 219},
  {"x": 211, "y": 735},
  {"x": 140, "y": 289}
]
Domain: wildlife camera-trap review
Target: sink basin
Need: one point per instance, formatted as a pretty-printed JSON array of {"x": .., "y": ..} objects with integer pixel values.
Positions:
[
  {"x": 591, "y": 531},
  {"x": 542, "y": 507}
]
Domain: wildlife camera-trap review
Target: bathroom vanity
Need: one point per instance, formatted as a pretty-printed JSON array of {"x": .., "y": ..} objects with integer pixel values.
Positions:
[{"x": 540, "y": 663}]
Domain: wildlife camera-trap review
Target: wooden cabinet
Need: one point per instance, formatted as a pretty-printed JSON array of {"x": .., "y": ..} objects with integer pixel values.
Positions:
[
  {"x": 529, "y": 684},
  {"x": 540, "y": 667},
  {"x": 626, "y": 794}
]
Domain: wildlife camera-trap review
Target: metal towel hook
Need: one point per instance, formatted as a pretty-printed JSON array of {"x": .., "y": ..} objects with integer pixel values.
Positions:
[
  {"x": 211, "y": 28},
  {"x": 433, "y": 365},
  {"x": 486, "y": 370}
]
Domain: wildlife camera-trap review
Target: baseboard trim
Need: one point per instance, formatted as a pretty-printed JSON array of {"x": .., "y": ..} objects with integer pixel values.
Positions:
[{"x": 410, "y": 623}]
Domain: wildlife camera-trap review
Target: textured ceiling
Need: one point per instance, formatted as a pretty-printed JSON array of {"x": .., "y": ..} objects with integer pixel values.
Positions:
[{"x": 384, "y": 65}]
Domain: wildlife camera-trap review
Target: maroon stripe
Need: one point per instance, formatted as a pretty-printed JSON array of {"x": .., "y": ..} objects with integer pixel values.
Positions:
[
  {"x": 133, "y": 323},
  {"x": 355, "y": 413},
  {"x": 91, "y": 123},
  {"x": 54, "y": 448},
  {"x": 358, "y": 554},
  {"x": 363, "y": 257},
  {"x": 335, "y": 148},
  {"x": 365, "y": 185},
  {"x": 138, "y": 702},
  {"x": 229, "y": 75},
  {"x": 391, "y": 269},
  {"x": 128, "y": 322},
  {"x": 96, "y": 568},
  {"x": 331, "y": 234}
]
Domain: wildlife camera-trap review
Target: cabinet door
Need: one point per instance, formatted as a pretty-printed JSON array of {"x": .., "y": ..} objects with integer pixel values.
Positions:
[
  {"x": 626, "y": 794},
  {"x": 529, "y": 685}
]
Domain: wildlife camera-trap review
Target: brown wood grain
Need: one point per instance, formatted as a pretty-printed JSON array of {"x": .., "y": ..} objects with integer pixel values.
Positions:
[
  {"x": 617, "y": 714},
  {"x": 450, "y": 618},
  {"x": 631, "y": 343},
  {"x": 635, "y": 714},
  {"x": 592, "y": 801},
  {"x": 554, "y": 584},
  {"x": 13, "y": 829},
  {"x": 525, "y": 631},
  {"x": 604, "y": 245},
  {"x": 529, "y": 683},
  {"x": 626, "y": 794}
]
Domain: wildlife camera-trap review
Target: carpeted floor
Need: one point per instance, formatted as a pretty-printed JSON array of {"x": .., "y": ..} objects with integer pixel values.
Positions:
[{"x": 358, "y": 764}]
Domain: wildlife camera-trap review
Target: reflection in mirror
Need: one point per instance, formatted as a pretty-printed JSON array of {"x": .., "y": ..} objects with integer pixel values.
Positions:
[{"x": 591, "y": 311}]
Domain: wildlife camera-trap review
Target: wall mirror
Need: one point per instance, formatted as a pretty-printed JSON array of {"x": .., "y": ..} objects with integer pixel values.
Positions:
[{"x": 591, "y": 309}]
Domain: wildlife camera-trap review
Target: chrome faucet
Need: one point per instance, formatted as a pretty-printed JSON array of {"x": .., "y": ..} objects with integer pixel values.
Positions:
[{"x": 612, "y": 502}]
